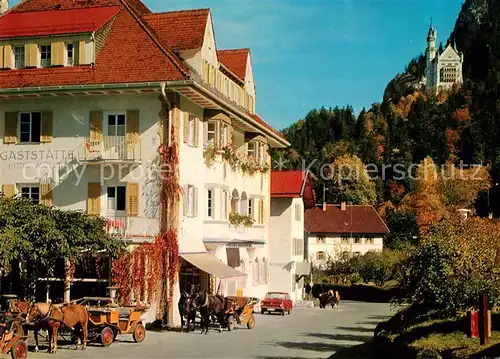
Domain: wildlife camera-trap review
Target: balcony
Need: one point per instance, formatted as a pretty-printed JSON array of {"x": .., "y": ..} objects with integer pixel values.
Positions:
[
  {"x": 110, "y": 149},
  {"x": 220, "y": 231},
  {"x": 133, "y": 229}
]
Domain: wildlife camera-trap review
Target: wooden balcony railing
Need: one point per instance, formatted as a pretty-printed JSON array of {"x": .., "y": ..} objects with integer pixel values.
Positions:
[
  {"x": 110, "y": 148},
  {"x": 132, "y": 227}
]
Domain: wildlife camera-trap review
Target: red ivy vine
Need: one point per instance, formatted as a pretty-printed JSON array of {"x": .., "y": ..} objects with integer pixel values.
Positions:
[{"x": 143, "y": 271}]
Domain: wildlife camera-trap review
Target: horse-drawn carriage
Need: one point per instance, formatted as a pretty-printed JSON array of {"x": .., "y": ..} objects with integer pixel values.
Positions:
[
  {"x": 12, "y": 337},
  {"x": 107, "y": 321},
  {"x": 240, "y": 310}
]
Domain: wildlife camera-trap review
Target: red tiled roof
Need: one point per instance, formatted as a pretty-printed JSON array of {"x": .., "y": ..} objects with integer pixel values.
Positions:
[
  {"x": 39, "y": 23},
  {"x": 130, "y": 54},
  {"x": 266, "y": 125},
  {"x": 357, "y": 219},
  {"x": 235, "y": 60},
  {"x": 46, "y": 5},
  {"x": 287, "y": 184},
  {"x": 181, "y": 30}
]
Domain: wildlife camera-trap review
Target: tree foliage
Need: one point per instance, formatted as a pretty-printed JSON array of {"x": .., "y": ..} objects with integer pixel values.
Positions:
[
  {"x": 40, "y": 234},
  {"x": 453, "y": 265},
  {"x": 351, "y": 182}
]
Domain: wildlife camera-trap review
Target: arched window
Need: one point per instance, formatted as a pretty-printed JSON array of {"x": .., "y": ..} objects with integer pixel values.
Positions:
[
  {"x": 263, "y": 274},
  {"x": 244, "y": 203},
  {"x": 235, "y": 199},
  {"x": 256, "y": 270}
]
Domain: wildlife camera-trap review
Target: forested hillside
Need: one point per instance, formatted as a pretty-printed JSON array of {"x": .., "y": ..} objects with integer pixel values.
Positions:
[{"x": 462, "y": 125}]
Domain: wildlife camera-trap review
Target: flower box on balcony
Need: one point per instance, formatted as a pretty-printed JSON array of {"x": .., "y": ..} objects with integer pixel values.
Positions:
[{"x": 237, "y": 220}]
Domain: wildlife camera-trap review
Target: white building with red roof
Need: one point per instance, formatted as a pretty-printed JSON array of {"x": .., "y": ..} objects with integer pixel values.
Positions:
[
  {"x": 89, "y": 92},
  {"x": 291, "y": 193},
  {"x": 335, "y": 229}
]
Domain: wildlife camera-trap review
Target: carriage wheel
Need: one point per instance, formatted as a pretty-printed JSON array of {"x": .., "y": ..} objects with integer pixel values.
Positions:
[
  {"x": 139, "y": 333},
  {"x": 19, "y": 350},
  {"x": 251, "y": 322},
  {"x": 107, "y": 336},
  {"x": 230, "y": 323}
]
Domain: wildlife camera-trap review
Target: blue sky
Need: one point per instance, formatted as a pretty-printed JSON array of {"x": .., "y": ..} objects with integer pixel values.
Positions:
[{"x": 312, "y": 53}]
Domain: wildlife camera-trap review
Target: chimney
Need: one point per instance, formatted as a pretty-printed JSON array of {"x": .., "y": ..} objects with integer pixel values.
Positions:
[
  {"x": 324, "y": 206},
  {"x": 4, "y": 6},
  {"x": 342, "y": 206}
]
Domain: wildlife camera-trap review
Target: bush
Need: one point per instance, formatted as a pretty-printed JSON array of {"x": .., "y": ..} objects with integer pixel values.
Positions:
[
  {"x": 377, "y": 267},
  {"x": 364, "y": 293},
  {"x": 452, "y": 266}
]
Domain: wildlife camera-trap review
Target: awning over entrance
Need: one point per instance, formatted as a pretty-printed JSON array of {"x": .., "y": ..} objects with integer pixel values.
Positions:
[
  {"x": 302, "y": 268},
  {"x": 209, "y": 263}
]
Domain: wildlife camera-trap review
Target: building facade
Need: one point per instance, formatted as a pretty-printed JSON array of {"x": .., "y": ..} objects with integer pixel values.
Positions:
[
  {"x": 443, "y": 70},
  {"x": 291, "y": 193},
  {"x": 86, "y": 105},
  {"x": 336, "y": 229}
]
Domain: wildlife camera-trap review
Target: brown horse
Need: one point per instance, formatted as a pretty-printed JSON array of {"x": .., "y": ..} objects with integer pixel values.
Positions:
[
  {"x": 209, "y": 306},
  {"x": 22, "y": 307},
  {"x": 72, "y": 316}
]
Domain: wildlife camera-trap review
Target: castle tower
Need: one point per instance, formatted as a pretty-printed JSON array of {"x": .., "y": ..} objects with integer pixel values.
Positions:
[
  {"x": 4, "y": 6},
  {"x": 431, "y": 52}
]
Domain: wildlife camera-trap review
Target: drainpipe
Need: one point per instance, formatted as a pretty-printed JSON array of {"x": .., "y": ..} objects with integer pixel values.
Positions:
[{"x": 163, "y": 86}]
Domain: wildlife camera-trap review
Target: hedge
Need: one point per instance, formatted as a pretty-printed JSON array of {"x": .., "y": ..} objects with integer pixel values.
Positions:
[{"x": 362, "y": 293}]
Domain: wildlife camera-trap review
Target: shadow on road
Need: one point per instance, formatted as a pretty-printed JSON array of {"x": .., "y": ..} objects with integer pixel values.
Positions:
[
  {"x": 356, "y": 329},
  {"x": 361, "y": 351},
  {"x": 350, "y": 337},
  {"x": 312, "y": 346}
]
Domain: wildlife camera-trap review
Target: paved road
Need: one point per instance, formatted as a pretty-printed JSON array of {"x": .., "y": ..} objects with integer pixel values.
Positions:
[{"x": 306, "y": 333}]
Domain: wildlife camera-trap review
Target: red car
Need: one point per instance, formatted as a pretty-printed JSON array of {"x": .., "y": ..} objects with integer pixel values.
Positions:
[{"x": 278, "y": 302}]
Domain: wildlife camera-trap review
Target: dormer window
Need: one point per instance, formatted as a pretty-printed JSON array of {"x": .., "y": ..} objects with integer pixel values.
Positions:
[
  {"x": 19, "y": 61},
  {"x": 256, "y": 150},
  {"x": 217, "y": 134},
  {"x": 46, "y": 55}
]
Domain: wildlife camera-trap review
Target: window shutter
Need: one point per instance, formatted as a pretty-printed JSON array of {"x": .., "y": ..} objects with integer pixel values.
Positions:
[
  {"x": 186, "y": 128},
  {"x": 132, "y": 199},
  {"x": 217, "y": 134},
  {"x": 10, "y": 130},
  {"x": 82, "y": 58},
  {"x": 46, "y": 134},
  {"x": 261, "y": 211},
  {"x": 31, "y": 55},
  {"x": 57, "y": 53},
  {"x": 132, "y": 127},
  {"x": 7, "y": 55},
  {"x": 205, "y": 132},
  {"x": 96, "y": 126},
  {"x": 196, "y": 132},
  {"x": 185, "y": 199},
  {"x": 94, "y": 199},
  {"x": 46, "y": 194},
  {"x": 9, "y": 190},
  {"x": 195, "y": 209}
]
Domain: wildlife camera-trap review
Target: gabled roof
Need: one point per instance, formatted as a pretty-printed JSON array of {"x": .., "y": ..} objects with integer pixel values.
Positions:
[
  {"x": 50, "y": 22},
  {"x": 180, "y": 30},
  {"x": 287, "y": 184},
  {"x": 235, "y": 60},
  {"x": 131, "y": 53},
  {"x": 48, "y": 5},
  {"x": 355, "y": 219}
]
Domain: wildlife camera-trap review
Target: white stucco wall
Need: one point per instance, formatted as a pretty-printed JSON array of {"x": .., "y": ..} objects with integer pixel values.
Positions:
[
  {"x": 333, "y": 247},
  {"x": 283, "y": 229},
  {"x": 24, "y": 163}
]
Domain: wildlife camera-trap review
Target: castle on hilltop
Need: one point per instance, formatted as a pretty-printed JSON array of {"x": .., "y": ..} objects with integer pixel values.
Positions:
[{"x": 444, "y": 69}]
